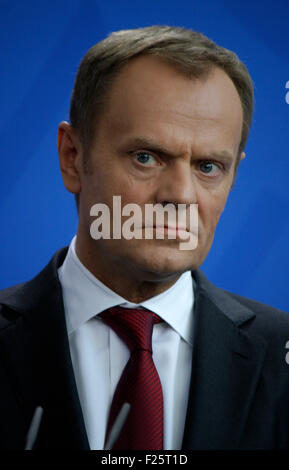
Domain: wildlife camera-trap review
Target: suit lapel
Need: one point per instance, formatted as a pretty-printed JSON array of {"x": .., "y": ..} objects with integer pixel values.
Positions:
[
  {"x": 227, "y": 362},
  {"x": 40, "y": 368}
]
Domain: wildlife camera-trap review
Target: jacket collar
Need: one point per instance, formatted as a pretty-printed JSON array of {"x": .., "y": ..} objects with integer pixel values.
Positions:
[{"x": 28, "y": 296}]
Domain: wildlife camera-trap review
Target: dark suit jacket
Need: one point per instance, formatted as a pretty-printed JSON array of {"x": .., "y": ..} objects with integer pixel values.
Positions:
[{"x": 239, "y": 392}]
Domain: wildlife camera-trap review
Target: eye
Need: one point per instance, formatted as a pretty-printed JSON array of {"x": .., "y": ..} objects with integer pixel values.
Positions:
[
  {"x": 209, "y": 168},
  {"x": 145, "y": 158}
]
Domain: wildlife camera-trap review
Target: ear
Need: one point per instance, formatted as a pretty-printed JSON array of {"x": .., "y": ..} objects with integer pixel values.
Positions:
[
  {"x": 70, "y": 156},
  {"x": 242, "y": 156}
]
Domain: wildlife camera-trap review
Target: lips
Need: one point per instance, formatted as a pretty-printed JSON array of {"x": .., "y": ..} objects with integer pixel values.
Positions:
[
  {"x": 175, "y": 231},
  {"x": 172, "y": 228}
]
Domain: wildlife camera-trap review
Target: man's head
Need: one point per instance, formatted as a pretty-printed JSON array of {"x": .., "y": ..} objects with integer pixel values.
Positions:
[
  {"x": 192, "y": 53},
  {"x": 158, "y": 115}
]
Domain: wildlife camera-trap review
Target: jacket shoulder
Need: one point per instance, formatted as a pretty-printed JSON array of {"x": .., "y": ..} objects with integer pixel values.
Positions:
[
  {"x": 269, "y": 322},
  {"x": 21, "y": 298},
  {"x": 260, "y": 308},
  {"x": 249, "y": 314}
]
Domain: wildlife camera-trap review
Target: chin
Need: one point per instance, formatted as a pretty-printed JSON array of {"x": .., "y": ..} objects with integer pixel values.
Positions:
[{"x": 164, "y": 262}]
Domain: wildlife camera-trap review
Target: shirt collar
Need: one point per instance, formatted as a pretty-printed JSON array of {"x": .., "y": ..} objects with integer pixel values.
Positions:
[{"x": 84, "y": 296}]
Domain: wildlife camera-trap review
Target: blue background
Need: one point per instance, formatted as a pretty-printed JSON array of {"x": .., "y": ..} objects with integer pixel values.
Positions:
[{"x": 42, "y": 44}]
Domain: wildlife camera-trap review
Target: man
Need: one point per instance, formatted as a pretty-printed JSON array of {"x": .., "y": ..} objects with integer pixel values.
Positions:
[{"x": 158, "y": 115}]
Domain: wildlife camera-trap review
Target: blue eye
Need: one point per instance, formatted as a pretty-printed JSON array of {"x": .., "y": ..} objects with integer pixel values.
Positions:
[
  {"x": 143, "y": 157},
  {"x": 209, "y": 168}
]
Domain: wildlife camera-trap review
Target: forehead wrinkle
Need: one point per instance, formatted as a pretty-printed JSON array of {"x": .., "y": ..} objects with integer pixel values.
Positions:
[
  {"x": 152, "y": 112},
  {"x": 121, "y": 124},
  {"x": 196, "y": 104}
]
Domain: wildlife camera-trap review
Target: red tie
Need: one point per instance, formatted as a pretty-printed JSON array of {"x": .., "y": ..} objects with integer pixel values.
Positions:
[{"x": 139, "y": 383}]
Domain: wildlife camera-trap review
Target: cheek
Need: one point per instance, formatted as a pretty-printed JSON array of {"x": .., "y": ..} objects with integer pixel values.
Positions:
[{"x": 210, "y": 209}]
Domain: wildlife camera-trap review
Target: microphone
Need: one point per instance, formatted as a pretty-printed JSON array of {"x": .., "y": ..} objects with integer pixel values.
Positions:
[
  {"x": 34, "y": 428},
  {"x": 117, "y": 426},
  {"x": 112, "y": 437}
]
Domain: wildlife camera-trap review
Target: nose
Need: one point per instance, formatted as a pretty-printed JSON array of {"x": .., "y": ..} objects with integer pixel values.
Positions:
[{"x": 177, "y": 185}]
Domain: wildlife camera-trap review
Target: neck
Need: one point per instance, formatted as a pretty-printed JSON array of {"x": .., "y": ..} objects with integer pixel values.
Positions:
[{"x": 133, "y": 284}]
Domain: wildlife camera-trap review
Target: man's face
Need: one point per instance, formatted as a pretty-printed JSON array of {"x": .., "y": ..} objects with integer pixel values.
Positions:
[{"x": 162, "y": 138}]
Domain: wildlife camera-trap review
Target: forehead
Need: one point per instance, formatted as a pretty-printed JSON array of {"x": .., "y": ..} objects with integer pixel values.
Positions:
[{"x": 150, "y": 94}]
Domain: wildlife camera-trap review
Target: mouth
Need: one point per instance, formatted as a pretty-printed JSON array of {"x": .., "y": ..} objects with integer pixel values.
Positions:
[{"x": 177, "y": 232}]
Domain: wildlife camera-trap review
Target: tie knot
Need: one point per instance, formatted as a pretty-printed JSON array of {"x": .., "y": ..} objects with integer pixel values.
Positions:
[{"x": 133, "y": 325}]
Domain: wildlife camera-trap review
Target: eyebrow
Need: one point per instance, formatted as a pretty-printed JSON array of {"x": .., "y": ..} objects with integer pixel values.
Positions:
[{"x": 151, "y": 144}]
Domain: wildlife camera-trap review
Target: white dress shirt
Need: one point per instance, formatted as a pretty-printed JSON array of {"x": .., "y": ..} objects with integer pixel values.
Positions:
[{"x": 99, "y": 355}]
